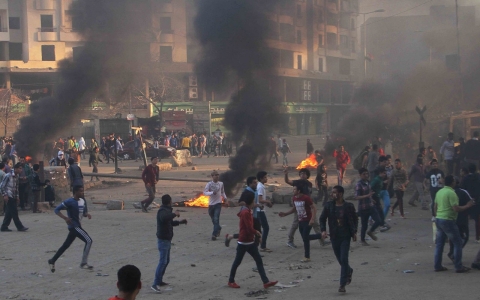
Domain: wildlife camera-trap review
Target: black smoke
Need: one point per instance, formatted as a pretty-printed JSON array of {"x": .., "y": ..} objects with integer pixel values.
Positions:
[
  {"x": 232, "y": 35},
  {"x": 112, "y": 31}
]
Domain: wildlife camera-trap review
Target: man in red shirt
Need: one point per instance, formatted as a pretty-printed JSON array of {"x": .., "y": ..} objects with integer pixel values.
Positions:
[
  {"x": 246, "y": 243},
  {"x": 343, "y": 159},
  {"x": 128, "y": 283},
  {"x": 306, "y": 211},
  {"x": 150, "y": 178}
]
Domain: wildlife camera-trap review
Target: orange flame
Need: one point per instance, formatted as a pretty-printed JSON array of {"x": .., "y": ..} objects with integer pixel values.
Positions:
[
  {"x": 28, "y": 159},
  {"x": 309, "y": 162},
  {"x": 199, "y": 201}
]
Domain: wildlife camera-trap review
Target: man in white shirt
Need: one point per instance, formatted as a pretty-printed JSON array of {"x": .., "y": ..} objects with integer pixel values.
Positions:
[
  {"x": 215, "y": 190},
  {"x": 448, "y": 151},
  {"x": 262, "y": 200},
  {"x": 279, "y": 143}
]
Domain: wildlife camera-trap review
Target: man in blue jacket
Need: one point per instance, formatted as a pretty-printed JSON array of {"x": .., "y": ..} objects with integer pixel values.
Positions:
[
  {"x": 76, "y": 209},
  {"x": 165, "y": 225}
]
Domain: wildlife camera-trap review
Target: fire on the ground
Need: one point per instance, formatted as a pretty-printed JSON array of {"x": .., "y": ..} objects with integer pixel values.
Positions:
[
  {"x": 309, "y": 162},
  {"x": 199, "y": 201}
]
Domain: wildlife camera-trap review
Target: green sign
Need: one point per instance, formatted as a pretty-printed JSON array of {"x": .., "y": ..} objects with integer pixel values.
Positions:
[
  {"x": 18, "y": 108},
  {"x": 302, "y": 108}
]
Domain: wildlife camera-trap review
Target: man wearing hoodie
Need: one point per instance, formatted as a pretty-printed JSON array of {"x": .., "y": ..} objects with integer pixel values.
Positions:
[
  {"x": 165, "y": 225},
  {"x": 246, "y": 243}
]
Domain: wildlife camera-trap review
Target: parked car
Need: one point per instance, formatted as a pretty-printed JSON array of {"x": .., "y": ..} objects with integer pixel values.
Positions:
[{"x": 163, "y": 151}]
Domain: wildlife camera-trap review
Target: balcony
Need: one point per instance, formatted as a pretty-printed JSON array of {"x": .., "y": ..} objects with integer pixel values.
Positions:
[
  {"x": 47, "y": 34},
  {"x": 44, "y": 4},
  {"x": 67, "y": 35},
  {"x": 167, "y": 36},
  {"x": 4, "y": 35}
]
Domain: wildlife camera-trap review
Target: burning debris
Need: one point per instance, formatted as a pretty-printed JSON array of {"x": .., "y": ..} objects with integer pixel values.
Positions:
[
  {"x": 199, "y": 201},
  {"x": 309, "y": 162}
]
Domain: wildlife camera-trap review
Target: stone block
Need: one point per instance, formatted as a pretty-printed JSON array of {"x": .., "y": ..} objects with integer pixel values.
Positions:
[
  {"x": 182, "y": 158},
  {"x": 165, "y": 166},
  {"x": 43, "y": 206},
  {"x": 115, "y": 205}
]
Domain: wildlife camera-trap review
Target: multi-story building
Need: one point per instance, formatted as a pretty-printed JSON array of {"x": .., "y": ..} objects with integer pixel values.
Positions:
[{"x": 313, "y": 42}]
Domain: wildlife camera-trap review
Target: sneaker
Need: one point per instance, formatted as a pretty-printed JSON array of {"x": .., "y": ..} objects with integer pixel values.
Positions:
[
  {"x": 214, "y": 238},
  {"x": 363, "y": 243},
  {"x": 291, "y": 245},
  {"x": 23, "y": 229},
  {"x": 6, "y": 230},
  {"x": 342, "y": 289},
  {"x": 233, "y": 285},
  {"x": 51, "y": 264},
  {"x": 475, "y": 266},
  {"x": 265, "y": 250},
  {"x": 269, "y": 284},
  {"x": 305, "y": 260},
  {"x": 463, "y": 270},
  {"x": 372, "y": 235},
  {"x": 227, "y": 240},
  {"x": 86, "y": 267},
  {"x": 156, "y": 288},
  {"x": 164, "y": 283},
  {"x": 144, "y": 207},
  {"x": 385, "y": 228}
]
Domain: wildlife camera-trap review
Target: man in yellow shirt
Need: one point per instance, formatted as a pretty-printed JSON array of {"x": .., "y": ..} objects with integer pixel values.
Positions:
[
  {"x": 446, "y": 210},
  {"x": 186, "y": 143}
]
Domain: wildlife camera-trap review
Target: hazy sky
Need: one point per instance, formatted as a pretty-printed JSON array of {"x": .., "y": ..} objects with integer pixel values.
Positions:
[{"x": 393, "y": 7}]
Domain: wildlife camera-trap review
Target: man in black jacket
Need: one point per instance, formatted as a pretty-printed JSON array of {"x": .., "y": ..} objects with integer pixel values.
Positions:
[
  {"x": 165, "y": 225},
  {"x": 472, "y": 150},
  {"x": 342, "y": 222},
  {"x": 471, "y": 183}
]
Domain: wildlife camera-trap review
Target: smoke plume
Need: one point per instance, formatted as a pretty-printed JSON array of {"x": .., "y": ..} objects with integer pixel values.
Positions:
[
  {"x": 112, "y": 33},
  {"x": 232, "y": 36}
]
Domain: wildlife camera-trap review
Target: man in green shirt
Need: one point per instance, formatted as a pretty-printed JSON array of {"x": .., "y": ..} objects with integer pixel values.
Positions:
[{"x": 446, "y": 210}]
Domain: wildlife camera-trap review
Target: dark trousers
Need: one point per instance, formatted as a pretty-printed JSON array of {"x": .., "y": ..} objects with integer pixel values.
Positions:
[
  {"x": 449, "y": 167},
  {"x": 364, "y": 216},
  {"x": 341, "y": 247},
  {"x": 399, "y": 194},
  {"x": 36, "y": 199},
  {"x": 264, "y": 222},
  {"x": 273, "y": 154},
  {"x": 464, "y": 233},
  {"x": 95, "y": 170},
  {"x": 76, "y": 232},
  {"x": 304, "y": 229},
  {"x": 11, "y": 212},
  {"x": 23, "y": 194},
  {"x": 107, "y": 156},
  {"x": 323, "y": 194},
  {"x": 252, "y": 249}
]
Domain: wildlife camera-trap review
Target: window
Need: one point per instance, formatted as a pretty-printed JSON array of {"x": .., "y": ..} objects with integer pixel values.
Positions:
[
  {"x": 332, "y": 41},
  {"x": 306, "y": 90},
  {"x": 299, "y": 11},
  {"x": 345, "y": 22},
  {"x": 15, "y": 51},
  {"x": 166, "y": 54},
  {"x": 299, "y": 62},
  {"x": 48, "y": 53},
  {"x": 287, "y": 33},
  {"x": 344, "y": 66},
  {"x": 14, "y": 22},
  {"x": 332, "y": 19},
  {"x": 320, "y": 64},
  {"x": 76, "y": 52},
  {"x": 352, "y": 24},
  {"x": 344, "y": 41},
  {"x": 320, "y": 41},
  {"x": 320, "y": 15},
  {"x": 299, "y": 37},
  {"x": 272, "y": 32},
  {"x": 46, "y": 23},
  {"x": 353, "y": 42},
  {"x": 166, "y": 24},
  {"x": 75, "y": 23}
]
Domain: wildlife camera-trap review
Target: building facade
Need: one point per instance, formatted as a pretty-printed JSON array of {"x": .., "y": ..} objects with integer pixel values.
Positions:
[{"x": 313, "y": 42}]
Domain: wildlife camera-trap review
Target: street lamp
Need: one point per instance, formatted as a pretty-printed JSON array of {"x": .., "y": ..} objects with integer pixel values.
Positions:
[{"x": 365, "y": 39}]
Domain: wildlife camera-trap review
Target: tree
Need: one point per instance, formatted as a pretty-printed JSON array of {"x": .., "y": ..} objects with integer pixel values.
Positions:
[{"x": 11, "y": 108}]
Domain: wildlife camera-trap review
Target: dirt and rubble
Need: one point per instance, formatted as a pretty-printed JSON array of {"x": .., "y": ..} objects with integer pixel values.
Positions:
[{"x": 199, "y": 267}]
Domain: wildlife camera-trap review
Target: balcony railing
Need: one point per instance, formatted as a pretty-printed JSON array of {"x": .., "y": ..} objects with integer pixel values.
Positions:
[{"x": 47, "y": 29}]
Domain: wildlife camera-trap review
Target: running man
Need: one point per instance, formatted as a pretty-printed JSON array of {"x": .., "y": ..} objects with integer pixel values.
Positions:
[
  {"x": 343, "y": 159},
  {"x": 150, "y": 178},
  {"x": 215, "y": 191},
  {"x": 262, "y": 200},
  {"x": 76, "y": 209}
]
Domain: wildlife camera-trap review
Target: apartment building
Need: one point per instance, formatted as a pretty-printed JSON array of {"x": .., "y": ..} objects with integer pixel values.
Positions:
[{"x": 313, "y": 42}]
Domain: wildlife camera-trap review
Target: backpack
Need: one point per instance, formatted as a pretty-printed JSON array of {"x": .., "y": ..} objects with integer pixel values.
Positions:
[
  {"x": 358, "y": 162},
  {"x": 285, "y": 148}
]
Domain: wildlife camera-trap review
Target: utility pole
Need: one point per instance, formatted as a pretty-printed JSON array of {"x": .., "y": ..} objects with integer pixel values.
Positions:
[{"x": 461, "y": 100}]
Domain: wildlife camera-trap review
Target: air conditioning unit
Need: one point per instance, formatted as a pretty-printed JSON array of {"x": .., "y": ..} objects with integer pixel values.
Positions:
[
  {"x": 192, "y": 80},
  {"x": 193, "y": 93}
]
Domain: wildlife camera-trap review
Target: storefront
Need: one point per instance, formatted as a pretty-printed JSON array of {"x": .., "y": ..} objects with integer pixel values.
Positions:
[{"x": 305, "y": 118}]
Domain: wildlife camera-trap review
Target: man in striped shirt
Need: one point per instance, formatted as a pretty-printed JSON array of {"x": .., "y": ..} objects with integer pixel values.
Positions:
[
  {"x": 9, "y": 190},
  {"x": 76, "y": 209}
]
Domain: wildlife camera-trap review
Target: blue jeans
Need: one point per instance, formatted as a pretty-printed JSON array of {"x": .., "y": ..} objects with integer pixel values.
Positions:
[
  {"x": 304, "y": 229},
  {"x": 448, "y": 228},
  {"x": 386, "y": 202},
  {"x": 214, "y": 213},
  {"x": 164, "y": 247},
  {"x": 285, "y": 159},
  {"x": 252, "y": 249},
  {"x": 265, "y": 228},
  {"x": 341, "y": 247}
]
